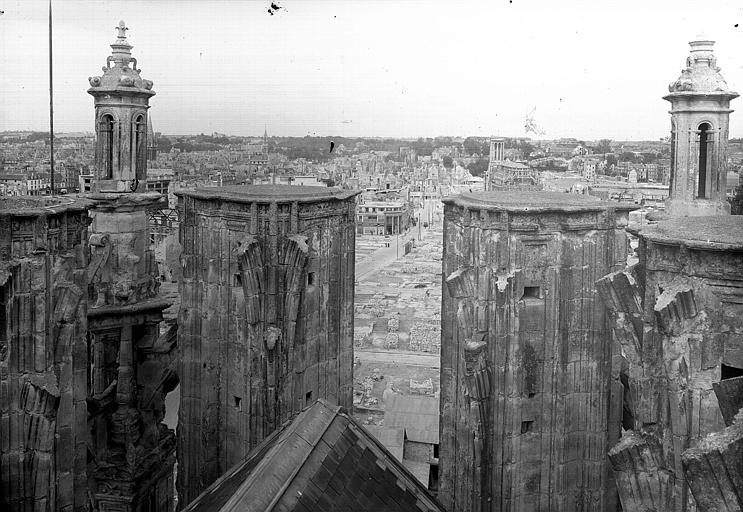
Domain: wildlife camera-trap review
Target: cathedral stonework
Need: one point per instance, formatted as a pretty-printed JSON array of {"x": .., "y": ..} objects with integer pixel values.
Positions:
[
  {"x": 43, "y": 354},
  {"x": 530, "y": 395},
  {"x": 676, "y": 316},
  {"x": 700, "y": 114},
  {"x": 266, "y": 318}
]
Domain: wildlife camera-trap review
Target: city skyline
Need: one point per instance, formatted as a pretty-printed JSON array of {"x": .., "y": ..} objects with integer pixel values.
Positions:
[{"x": 372, "y": 69}]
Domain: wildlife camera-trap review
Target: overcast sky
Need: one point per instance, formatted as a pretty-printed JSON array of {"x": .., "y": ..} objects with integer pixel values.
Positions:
[{"x": 589, "y": 69}]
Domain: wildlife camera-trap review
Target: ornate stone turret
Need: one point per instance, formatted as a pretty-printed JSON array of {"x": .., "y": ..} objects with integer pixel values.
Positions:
[
  {"x": 700, "y": 110},
  {"x": 131, "y": 451},
  {"x": 121, "y": 103}
]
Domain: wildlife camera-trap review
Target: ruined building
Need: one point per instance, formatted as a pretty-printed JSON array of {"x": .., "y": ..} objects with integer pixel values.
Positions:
[
  {"x": 530, "y": 395},
  {"x": 266, "y": 318},
  {"x": 504, "y": 174},
  {"x": 678, "y": 317},
  {"x": 83, "y": 368}
]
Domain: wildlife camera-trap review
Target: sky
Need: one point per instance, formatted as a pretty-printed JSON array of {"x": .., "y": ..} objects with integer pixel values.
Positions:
[{"x": 583, "y": 69}]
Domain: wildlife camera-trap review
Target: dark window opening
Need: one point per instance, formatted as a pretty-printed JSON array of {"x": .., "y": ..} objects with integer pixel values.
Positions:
[
  {"x": 527, "y": 426},
  {"x": 433, "y": 478},
  {"x": 704, "y": 139},
  {"x": 106, "y": 146},
  {"x": 4, "y": 327},
  {"x": 308, "y": 398},
  {"x": 139, "y": 145},
  {"x": 532, "y": 394},
  {"x": 238, "y": 402},
  {"x": 628, "y": 418},
  {"x": 237, "y": 279},
  {"x": 532, "y": 292},
  {"x": 435, "y": 451},
  {"x": 673, "y": 154},
  {"x": 730, "y": 372},
  {"x": 310, "y": 278}
]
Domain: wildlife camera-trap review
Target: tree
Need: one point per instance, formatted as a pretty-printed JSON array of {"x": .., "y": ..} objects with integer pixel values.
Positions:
[
  {"x": 478, "y": 167},
  {"x": 628, "y": 156},
  {"x": 477, "y": 145},
  {"x": 604, "y": 146},
  {"x": 649, "y": 157},
  {"x": 447, "y": 161},
  {"x": 526, "y": 149}
]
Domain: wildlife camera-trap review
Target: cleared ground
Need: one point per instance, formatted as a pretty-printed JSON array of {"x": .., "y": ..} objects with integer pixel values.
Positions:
[{"x": 397, "y": 320}]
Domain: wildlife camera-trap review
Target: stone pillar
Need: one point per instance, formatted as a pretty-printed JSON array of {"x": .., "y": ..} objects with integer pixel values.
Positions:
[
  {"x": 266, "y": 318},
  {"x": 132, "y": 367},
  {"x": 43, "y": 354},
  {"x": 527, "y": 365}
]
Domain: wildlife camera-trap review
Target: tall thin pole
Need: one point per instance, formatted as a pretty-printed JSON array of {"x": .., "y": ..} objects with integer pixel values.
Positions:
[{"x": 51, "y": 105}]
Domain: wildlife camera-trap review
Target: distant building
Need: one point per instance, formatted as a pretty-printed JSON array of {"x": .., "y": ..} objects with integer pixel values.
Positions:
[
  {"x": 507, "y": 175},
  {"x": 382, "y": 218}
]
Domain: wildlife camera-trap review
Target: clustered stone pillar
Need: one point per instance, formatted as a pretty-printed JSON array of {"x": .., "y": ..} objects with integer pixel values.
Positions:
[
  {"x": 677, "y": 315},
  {"x": 530, "y": 397},
  {"x": 43, "y": 354},
  {"x": 132, "y": 366},
  {"x": 266, "y": 318}
]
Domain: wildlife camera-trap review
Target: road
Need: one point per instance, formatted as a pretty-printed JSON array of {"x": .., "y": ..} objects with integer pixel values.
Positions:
[
  {"x": 404, "y": 358},
  {"x": 386, "y": 255}
]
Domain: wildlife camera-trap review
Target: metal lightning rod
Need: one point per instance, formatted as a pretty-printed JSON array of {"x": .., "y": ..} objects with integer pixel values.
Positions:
[{"x": 51, "y": 105}]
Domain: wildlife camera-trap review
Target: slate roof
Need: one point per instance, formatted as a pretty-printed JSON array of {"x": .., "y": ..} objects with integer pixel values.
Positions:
[
  {"x": 392, "y": 438},
  {"x": 323, "y": 460},
  {"x": 418, "y": 415}
]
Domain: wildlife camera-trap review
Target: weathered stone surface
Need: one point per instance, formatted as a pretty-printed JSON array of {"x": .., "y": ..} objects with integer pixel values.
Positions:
[
  {"x": 679, "y": 343},
  {"x": 729, "y": 393},
  {"x": 266, "y": 318},
  {"x": 42, "y": 346},
  {"x": 526, "y": 356},
  {"x": 714, "y": 469}
]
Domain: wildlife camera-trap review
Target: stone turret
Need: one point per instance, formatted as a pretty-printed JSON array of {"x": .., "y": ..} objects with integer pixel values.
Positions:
[
  {"x": 700, "y": 110},
  {"x": 132, "y": 362},
  {"x": 121, "y": 102}
]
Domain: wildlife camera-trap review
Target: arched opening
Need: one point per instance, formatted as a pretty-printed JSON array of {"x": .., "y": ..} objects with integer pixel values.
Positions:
[
  {"x": 106, "y": 146},
  {"x": 673, "y": 155},
  {"x": 139, "y": 146},
  {"x": 705, "y": 139}
]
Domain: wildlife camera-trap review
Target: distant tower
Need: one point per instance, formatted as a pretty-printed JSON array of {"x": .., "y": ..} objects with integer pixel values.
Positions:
[
  {"x": 497, "y": 155},
  {"x": 700, "y": 111},
  {"x": 497, "y": 150},
  {"x": 121, "y": 104}
]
